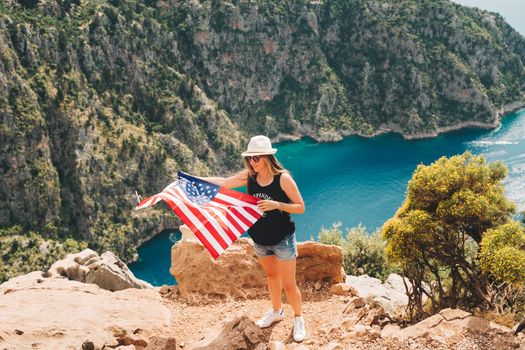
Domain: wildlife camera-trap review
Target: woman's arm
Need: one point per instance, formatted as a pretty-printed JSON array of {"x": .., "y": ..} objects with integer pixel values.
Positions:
[
  {"x": 290, "y": 188},
  {"x": 292, "y": 191},
  {"x": 236, "y": 180}
]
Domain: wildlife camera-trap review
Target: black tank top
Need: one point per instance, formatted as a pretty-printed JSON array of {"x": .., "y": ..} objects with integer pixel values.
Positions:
[{"x": 275, "y": 224}]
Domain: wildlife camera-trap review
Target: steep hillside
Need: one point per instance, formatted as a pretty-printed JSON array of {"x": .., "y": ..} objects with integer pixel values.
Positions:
[{"x": 100, "y": 98}]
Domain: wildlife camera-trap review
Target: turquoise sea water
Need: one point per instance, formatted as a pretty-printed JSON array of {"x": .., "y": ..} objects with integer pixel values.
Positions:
[{"x": 363, "y": 181}]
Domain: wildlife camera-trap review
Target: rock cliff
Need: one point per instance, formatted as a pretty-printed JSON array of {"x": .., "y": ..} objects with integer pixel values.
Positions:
[{"x": 56, "y": 313}]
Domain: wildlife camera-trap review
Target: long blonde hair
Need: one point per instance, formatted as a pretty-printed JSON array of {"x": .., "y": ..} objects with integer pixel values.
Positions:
[{"x": 271, "y": 162}]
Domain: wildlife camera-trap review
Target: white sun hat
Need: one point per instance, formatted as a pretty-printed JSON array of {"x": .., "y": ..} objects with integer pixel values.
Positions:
[{"x": 259, "y": 145}]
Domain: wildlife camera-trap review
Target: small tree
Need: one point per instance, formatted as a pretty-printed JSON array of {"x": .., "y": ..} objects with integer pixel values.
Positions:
[{"x": 435, "y": 235}]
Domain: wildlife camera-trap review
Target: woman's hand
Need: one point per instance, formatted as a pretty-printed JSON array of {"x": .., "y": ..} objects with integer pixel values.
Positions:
[{"x": 266, "y": 205}]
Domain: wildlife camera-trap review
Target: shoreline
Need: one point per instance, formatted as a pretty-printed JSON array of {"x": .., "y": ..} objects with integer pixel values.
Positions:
[{"x": 333, "y": 136}]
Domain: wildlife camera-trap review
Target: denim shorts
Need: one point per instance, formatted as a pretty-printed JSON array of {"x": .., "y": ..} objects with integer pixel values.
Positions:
[{"x": 284, "y": 250}]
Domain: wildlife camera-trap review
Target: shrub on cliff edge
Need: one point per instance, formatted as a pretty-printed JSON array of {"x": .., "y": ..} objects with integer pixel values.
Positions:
[
  {"x": 363, "y": 252},
  {"x": 452, "y": 207}
]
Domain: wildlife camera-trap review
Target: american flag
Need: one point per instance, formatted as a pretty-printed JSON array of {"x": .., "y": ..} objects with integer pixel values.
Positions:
[{"x": 216, "y": 215}]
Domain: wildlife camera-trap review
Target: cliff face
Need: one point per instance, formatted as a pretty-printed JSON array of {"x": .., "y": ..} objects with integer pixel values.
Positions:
[
  {"x": 102, "y": 98},
  {"x": 92, "y": 110},
  {"x": 335, "y": 67}
]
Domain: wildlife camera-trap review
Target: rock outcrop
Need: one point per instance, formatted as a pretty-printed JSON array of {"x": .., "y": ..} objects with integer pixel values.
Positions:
[
  {"x": 319, "y": 262},
  {"x": 55, "y": 313},
  {"x": 391, "y": 294},
  {"x": 237, "y": 273},
  {"x": 106, "y": 271},
  {"x": 446, "y": 323},
  {"x": 238, "y": 333},
  {"x": 450, "y": 324}
]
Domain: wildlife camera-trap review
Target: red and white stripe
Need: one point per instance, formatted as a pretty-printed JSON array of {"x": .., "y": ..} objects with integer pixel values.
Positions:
[{"x": 217, "y": 223}]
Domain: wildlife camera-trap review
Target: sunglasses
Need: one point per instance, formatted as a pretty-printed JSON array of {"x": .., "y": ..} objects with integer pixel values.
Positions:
[{"x": 254, "y": 158}]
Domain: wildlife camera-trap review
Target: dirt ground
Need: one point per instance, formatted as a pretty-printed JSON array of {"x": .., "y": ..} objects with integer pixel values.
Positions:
[
  {"x": 192, "y": 321},
  {"x": 322, "y": 312}
]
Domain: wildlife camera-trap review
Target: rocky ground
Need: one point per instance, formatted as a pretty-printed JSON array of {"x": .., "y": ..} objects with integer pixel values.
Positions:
[
  {"x": 190, "y": 322},
  {"x": 341, "y": 312},
  {"x": 330, "y": 326},
  {"x": 92, "y": 302}
]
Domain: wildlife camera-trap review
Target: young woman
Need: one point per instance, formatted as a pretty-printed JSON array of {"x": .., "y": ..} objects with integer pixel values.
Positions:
[{"x": 273, "y": 234}]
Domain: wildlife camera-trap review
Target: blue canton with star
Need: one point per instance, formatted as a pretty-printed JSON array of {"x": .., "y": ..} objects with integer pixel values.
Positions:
[{"x": 198, "y": 191}]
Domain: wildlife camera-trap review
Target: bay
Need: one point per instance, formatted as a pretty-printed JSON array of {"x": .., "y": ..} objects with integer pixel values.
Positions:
[{"x": 363, "y": 180}]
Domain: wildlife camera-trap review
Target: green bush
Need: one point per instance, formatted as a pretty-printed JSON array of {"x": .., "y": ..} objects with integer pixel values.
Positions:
[
  {"x": 502, "y": 253},
  {"x": 363, "y": 252},
  {"x": 332, "y": 236},
  {"x": 452, "y": 207}
]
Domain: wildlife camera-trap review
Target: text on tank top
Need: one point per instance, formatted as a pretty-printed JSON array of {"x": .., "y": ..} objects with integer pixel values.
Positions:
[{"x": 275, "y": 225}]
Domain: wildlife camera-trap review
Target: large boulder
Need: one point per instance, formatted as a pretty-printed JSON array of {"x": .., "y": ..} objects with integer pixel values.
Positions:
[
  {"x": 106, "y": 271},
  {"x": 237, "y": 333},
  {"x": 56, "y": 313},
  {"x": 445, "y": 324},
  {"x": 237, "y": 274},
  {"x": 319, "y": 262},
  {"x": 391, "y": 294}
]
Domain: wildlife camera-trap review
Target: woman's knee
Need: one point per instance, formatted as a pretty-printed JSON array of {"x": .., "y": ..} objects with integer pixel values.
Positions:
[
  {"x": 271, "y": 270},
  {"x": 289, "y": 286},
  {"x": 270, "y": 266}
]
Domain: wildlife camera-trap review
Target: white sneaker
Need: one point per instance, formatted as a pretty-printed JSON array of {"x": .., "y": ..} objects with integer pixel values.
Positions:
[
  {"x": 299, "y": 332},
  {"x": 270, "y": 317}
]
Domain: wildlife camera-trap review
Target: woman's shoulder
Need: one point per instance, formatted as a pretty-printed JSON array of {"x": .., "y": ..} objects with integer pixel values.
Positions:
[{"x": 285, "y": 177}]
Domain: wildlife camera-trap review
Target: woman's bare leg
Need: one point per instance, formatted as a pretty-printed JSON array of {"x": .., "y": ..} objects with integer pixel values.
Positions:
[
  {"x": 270, "y": 266},
  {"x": 286, "y": 270}
]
